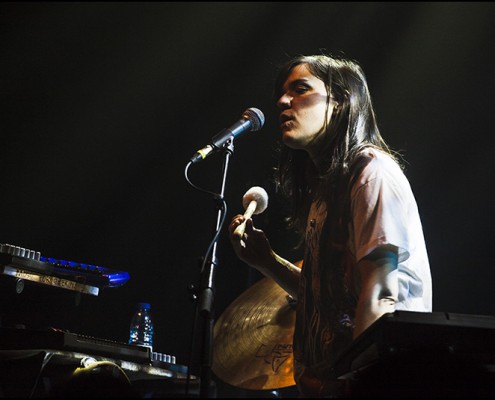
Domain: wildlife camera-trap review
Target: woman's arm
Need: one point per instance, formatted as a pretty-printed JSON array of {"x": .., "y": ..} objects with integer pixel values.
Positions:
[
  {"x": 379, "y": 287},
  {"x": 255, "y": 250}
]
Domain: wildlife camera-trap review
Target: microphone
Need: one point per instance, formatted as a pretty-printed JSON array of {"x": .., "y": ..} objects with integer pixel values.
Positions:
[
  {"x": 252, "y": 120},
  {"x": 254, "y": 201}
]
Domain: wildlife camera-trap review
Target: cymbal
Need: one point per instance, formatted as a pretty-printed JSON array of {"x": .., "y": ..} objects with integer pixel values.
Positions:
[{"x": 252, "y": 339}]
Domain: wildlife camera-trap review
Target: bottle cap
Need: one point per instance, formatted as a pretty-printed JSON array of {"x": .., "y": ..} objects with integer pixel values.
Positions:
[{"x": 145, "y": 306}]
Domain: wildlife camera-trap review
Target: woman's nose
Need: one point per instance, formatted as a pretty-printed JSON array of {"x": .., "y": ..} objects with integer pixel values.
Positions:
[{"x": 284, "y": 101}]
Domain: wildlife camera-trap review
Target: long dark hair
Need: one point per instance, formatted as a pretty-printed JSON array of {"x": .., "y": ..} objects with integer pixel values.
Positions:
[{"x": 352, "y": 127}]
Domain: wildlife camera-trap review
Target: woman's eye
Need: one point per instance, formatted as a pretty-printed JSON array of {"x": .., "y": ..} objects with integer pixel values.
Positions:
[{"x": 301, "y": 89}]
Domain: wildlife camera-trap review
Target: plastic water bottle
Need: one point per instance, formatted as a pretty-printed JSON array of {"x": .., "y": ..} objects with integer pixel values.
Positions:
[{"x": 141, "y": 329}]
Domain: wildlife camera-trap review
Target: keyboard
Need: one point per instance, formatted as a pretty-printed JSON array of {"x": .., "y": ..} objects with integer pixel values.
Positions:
[
  {"x": 55, "y": 339},
  {"x": 30, "y": 265},
  {"x": 408, "y": 332}
]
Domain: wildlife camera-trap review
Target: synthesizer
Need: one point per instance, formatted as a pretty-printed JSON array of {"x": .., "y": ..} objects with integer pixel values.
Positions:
[
  {"x": 30, "y": 265},
  {"x": 72, "y": 344},
  {"x": 409, "y": 332},
  {"x": 22, "y": 339}
]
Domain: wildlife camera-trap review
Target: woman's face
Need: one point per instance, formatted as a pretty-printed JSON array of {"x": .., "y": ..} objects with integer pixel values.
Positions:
[{"x": 302, "y": 108}]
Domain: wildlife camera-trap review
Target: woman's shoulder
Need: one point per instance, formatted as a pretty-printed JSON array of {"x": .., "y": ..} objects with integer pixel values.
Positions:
[
  {"x": 372, "y": 164},
  {"x": 376, "y": 159}
]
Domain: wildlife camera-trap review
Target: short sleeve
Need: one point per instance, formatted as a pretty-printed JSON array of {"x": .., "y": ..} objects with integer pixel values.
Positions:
[{"x": 380, "y": 200}]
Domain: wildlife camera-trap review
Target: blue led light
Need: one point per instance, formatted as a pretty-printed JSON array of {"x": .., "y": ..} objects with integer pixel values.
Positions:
[{"x": 115, "y": 278}]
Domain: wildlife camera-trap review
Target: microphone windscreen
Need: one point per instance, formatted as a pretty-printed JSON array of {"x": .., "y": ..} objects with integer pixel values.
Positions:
[
  {"x": 256, "y": 117},
  {"x": 257, "y": 194}
]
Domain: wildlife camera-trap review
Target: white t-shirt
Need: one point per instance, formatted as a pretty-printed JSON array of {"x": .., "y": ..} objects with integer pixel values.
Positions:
[{"x": 385, "y": 212}]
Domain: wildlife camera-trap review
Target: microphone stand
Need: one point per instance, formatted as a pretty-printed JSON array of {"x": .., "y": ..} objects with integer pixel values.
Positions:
[{"x": 207, "y": 289}]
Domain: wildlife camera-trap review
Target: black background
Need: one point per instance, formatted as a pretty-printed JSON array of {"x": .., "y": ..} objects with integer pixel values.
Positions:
[{"x": 103, "y": 104}]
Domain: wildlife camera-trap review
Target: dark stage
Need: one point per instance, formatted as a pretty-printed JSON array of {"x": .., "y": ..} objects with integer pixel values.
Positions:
[{"x": 104, "y": 103}]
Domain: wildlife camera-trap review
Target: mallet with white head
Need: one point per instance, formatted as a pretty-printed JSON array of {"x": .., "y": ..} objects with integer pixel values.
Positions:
[{"x": 254, "y": 201}]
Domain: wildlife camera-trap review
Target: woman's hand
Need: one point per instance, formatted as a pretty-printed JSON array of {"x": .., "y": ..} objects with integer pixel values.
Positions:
[{"x": 253, "y": 247}]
